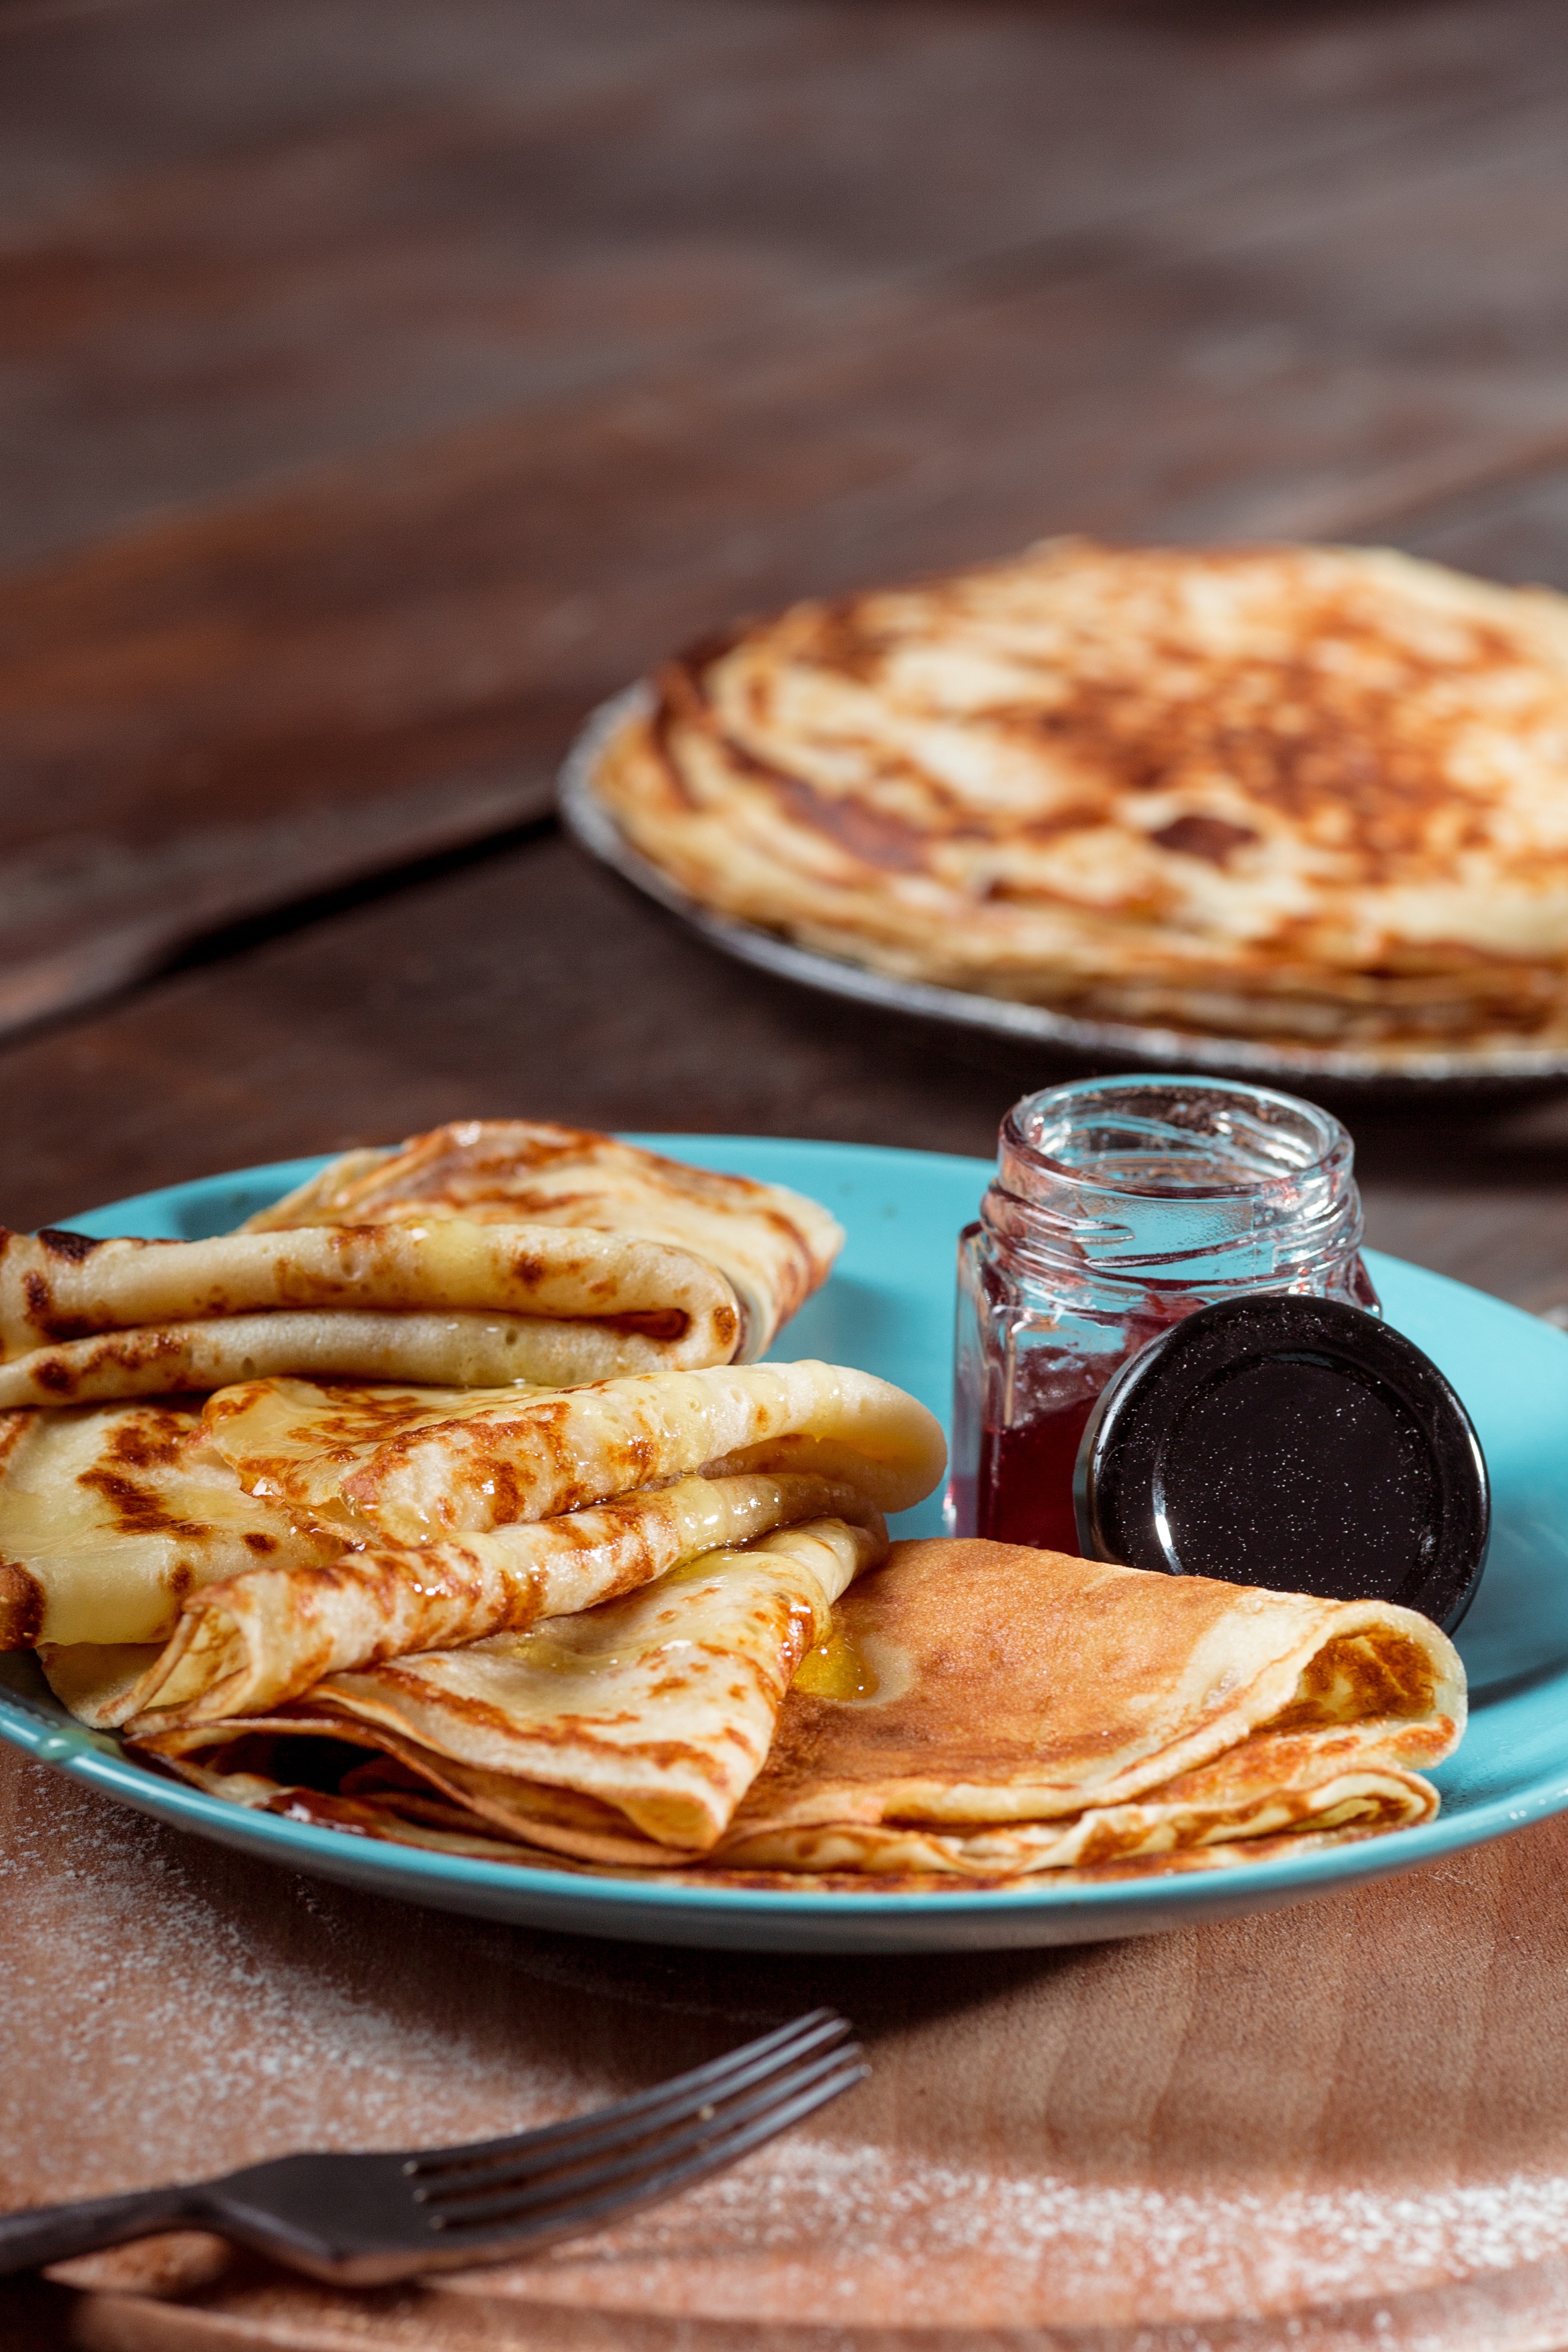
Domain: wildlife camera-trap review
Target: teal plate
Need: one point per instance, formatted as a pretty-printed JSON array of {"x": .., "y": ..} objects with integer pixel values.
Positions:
[{"x": 889, "y": 1309}]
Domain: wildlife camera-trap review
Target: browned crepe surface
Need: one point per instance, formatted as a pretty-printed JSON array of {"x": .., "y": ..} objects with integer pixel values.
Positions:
[
  {"x": 448, "y": 1299},
  {"x": 1319, "y": 793},
  {"x": 485, "y": 1525},
  {"x": 976, "y": 1711},
  {"x": 774, "y": 1245},
  {"x": 985, "y": 1683},
  {"x": 626, "y": 1732}
]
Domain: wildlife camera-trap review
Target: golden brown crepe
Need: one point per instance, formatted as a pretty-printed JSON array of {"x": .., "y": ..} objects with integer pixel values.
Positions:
[
  {"x": 556, "y": 1451},
  {"x": 447, "y": 1300},
  {"x": 977, "y": 1712},
  {"x": 1311, "y": 793},
  {"x": 265, "y": 1634},
  {"x": 438, "y": 1518},
  {"x": 774, "y": 1245},
  {"x": 625, "y": 1734},
  {"x": 112, "y": 1517},
  {"x": 995, "y": 1708}
]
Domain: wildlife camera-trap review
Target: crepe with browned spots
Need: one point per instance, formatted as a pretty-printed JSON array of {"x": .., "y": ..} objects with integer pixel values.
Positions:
[
  {"x": 449, "y": 1301},
  {"x": 629, "y": 1732},
  {"x": 530, "y": 1457},
  {"x": 990, "y": 1709},
  {"x": 112, "y": 1517},
  {"x": 773, "y": 1245},
  {"x": 439, "y": 1518},
  {"x": 974, "y": 1714},
  {"x": 1312, "y": 794}
]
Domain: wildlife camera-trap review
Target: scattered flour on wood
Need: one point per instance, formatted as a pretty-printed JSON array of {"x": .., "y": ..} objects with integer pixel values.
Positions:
[
  {"x": 155, "y": 2014},
  {"x": 831, "y": 2222},
  {"x": 209, "y": 2031}
]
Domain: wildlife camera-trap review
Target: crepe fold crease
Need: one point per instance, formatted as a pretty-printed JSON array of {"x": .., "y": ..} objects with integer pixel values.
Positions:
[
  {"x": 290, "y": 1548},
  {"x": 970, "y": 1712},
  {"x": 445, "y": 1301},
  {"x": 771, "y": 1245},
  {"x": 627, "y": 1734}
]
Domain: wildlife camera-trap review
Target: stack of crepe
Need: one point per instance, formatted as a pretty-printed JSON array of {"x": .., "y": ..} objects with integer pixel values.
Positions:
[
  {"x": 644, "y": 1622},
  {"x": 792, "y": 1711},
  {"x": 473, "y": 1271},
  {"x": 1309, "y": 793}
]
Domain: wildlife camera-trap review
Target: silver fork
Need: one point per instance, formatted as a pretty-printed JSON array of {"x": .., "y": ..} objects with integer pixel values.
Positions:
[{"x": 361, "y": 2220}]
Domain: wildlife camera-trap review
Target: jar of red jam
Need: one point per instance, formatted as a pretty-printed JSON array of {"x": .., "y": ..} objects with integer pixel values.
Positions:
[{"x": 1118, "y": 1206}]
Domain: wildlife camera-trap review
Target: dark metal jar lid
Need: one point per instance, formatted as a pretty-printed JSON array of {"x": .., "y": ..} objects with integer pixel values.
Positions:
[{"x": 1295, "y": 1442}]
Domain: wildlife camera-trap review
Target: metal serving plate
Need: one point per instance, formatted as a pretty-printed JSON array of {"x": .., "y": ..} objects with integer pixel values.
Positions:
[{"x": 1117, "y": 1044}]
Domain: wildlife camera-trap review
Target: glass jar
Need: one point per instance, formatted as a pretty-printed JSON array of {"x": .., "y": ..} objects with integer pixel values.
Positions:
[{"x": 1118, "y": 1206}]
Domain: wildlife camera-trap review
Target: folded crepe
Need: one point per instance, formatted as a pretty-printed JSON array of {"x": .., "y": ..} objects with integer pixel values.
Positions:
[
  {"x": 773, "y": 1245},
  {"x": 447, "y": 1300},
  {"x": 627, "y": 1734},
  {"x": 425, "y": 1519},
  {"x": 987, "y": 1709},
  {"x": 973, "y": 1712},
  {"x": 112, "y": 1517},
  {"x": 552, "y": 1451}
]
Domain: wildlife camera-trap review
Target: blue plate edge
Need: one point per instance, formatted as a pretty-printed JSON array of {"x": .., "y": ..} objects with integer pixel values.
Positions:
[{"x": 1449, "y": 1833}]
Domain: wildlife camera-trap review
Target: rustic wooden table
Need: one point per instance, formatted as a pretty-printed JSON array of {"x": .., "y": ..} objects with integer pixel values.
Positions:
[{"x": 382, "y": 384}]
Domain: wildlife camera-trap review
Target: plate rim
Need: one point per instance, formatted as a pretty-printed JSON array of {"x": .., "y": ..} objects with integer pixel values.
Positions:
[
  {"x": 611, "y": 1905},
  {"x": 594, "y": 830}
]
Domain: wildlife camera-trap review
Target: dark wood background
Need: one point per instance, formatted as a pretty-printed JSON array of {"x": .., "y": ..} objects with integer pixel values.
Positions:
[{"x": 382, "y": 382}]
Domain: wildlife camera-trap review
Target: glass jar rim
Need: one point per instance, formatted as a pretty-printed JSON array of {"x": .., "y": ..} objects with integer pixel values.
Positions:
[{"x": 1333, "y": 1155}]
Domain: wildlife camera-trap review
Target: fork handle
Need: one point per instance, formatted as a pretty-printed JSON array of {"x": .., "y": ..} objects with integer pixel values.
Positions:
[{"x": 53, "y": 2233}]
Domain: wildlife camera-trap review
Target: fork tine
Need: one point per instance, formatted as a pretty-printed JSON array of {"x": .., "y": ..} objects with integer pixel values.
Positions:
[
  {"x": 719, "y": 2078},
  {"x": 464, "y": 2204},
  {"x": 575, "y": 2213}
]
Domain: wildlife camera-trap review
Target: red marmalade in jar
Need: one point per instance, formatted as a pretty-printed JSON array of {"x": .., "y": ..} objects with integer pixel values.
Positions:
[{"x": 1121, "y": 1205}]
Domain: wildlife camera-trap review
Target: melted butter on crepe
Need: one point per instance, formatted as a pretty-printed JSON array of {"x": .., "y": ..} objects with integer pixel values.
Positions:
[
  {"x": 774, "y": 1245},
  {"x": 625, "y": 1734},
  {"x": 506, "y": 1528},
  {"x": 257, "y": 1639}
]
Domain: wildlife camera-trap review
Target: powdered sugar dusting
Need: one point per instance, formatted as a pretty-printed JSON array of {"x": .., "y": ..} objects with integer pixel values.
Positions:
[
  {"x": 174, "y": 2009},
  {"x": 812, "y": 2231},
  {"x": 173, "y": 2012}
]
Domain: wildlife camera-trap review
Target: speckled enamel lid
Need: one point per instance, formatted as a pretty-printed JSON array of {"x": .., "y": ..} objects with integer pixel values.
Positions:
[{"x": 1294, "y": 1442}]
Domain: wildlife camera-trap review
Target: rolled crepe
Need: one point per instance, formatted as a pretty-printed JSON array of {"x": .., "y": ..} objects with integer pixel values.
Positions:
[
  {"x": 442, "y": 1301},
  {"x": 775, "y": 1246},
  {"x": 629, "y": 1733},
  {"x": 528, "y": 1533},
  {"x": 555, "y": 1452},
  {"x": 977, "y": 1712}
]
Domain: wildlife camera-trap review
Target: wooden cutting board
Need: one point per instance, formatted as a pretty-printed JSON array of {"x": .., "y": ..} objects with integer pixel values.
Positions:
[{"x": 1341, "y": 2124}]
